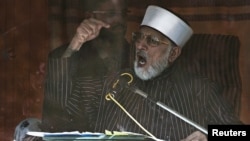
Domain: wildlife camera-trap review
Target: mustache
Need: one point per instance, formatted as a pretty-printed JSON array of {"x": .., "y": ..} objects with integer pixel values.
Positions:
[{"x": 142, "y": 54}]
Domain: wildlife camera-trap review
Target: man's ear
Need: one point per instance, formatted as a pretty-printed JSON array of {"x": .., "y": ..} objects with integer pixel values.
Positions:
[{"x": 174, "y": 54}]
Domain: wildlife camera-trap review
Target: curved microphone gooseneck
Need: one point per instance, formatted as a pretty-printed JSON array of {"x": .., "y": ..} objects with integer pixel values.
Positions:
[{"x": 145, "y": 95}]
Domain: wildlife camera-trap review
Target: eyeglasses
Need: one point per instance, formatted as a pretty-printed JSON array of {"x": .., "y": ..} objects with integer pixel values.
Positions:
[
  {"x": 150, "y": 39},
  {"x": 112, "y": 12}
]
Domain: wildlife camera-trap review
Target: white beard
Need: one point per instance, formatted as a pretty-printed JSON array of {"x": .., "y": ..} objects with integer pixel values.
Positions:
[{"x": 155, "y": 69}]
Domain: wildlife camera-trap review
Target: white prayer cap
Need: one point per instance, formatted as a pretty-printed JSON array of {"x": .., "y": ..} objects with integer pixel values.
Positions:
[{"x": 168, "y": 24}]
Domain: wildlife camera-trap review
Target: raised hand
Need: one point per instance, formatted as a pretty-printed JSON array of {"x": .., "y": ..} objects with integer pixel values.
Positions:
[{"x": 88, "y": 30}]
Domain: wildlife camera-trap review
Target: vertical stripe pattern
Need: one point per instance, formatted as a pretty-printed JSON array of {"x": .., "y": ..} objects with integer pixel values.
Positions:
[
  {"x": 216, "y": 56},
  {"x": 196, "y": 98},
  {"x": 58, "y": 83}
]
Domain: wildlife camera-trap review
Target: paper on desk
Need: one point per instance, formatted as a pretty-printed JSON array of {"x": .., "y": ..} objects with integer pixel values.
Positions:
[
  {"x": 88, "y": 135},
  {"x": 121, "y": 133},
  {"x": 42, "y": 134},
  {"x": 107, "y": 132}
]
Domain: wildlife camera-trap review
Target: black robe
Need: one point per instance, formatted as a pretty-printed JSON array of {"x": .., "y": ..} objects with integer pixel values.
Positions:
[
  {"x": 60, "y": 79},
  {"x": 195, "y": 97}
]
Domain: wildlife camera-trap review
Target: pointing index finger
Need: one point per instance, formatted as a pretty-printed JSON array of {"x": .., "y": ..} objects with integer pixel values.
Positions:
[{"x": 101, "y": 23}]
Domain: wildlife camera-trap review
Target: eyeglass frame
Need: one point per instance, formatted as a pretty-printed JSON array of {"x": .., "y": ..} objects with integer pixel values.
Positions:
[{"x": 145, "y": 36}]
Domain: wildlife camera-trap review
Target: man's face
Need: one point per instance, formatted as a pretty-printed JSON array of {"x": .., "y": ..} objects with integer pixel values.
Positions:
[
  {"x": 113, "y": 12},
  {"x": 152, "y": 53}
]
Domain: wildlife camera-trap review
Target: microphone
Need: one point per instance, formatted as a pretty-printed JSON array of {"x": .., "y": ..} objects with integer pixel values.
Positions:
[
  {"x": 125, "y": 80},
  {"x": 162, "y": 105},
  {"x": 169, "y": 109}
]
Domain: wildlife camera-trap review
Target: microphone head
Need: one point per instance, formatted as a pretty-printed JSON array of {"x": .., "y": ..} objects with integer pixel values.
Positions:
[{"x": 122, "y": 80}]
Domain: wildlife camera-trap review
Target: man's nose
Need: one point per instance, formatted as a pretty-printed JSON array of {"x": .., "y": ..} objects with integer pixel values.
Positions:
[{"x": 141, "y": 44}]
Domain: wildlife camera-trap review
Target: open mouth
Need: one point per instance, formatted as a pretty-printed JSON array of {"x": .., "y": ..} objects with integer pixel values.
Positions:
[{"x": 141, "y": 59}]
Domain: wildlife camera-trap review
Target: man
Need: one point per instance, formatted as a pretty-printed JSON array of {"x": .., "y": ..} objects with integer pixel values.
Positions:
[
  {"x": 98, "y": 48},
  {"x": 156, "y": 77}
]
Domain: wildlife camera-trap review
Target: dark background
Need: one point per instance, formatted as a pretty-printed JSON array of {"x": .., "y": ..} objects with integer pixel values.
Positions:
[{"x": 29, "y": 29}]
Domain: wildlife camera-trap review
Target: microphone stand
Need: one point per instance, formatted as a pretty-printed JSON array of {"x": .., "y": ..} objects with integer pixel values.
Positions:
[
  {"x": 167, "y": 108},
  {"x": 160, "y": 104}
]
